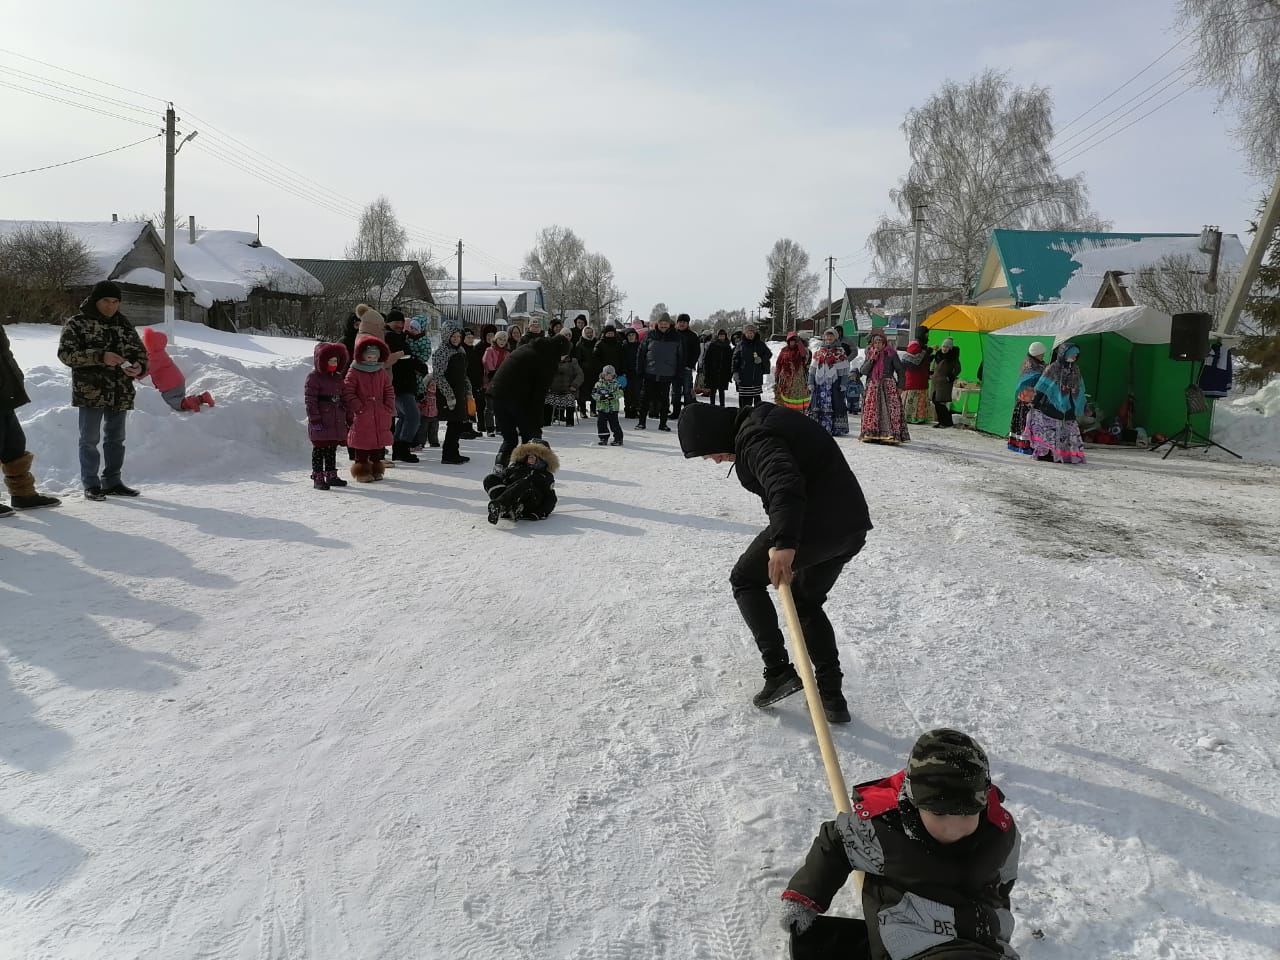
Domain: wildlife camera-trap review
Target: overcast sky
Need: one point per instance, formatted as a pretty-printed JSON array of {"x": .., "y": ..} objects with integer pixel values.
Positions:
[{"x": 679, "y": 139}]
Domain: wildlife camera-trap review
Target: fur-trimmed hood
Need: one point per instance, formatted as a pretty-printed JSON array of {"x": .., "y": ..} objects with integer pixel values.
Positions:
[
  {"x": 366, "y": 340},
  {"x": 324, "y": 351},
  {"x": 544, "y": 453}
]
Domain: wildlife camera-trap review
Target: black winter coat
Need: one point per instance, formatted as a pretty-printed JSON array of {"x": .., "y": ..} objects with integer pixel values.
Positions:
[
  {"x": 663, "y": 357},
  {"x": 475, "y": 365},
  {"x": 12, "y": 392},
  {"x": 405, "y": 371},
  {"x": 584, "y": 352},
  {"x": 690, "y": 348},
  {"x": 455, "y": 374},
  {"x": 524, "y": 377},
  {"x": 800, "y": 474},
  {"x": 608, "y": 353},
  {"x": 631, "y": 360},
  {"x": 717, "y": 364}
]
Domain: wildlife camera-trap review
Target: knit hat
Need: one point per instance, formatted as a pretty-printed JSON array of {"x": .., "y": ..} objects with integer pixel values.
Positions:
[
  {"x": 371, "y": 321},
  {"x": 1036, "y": 349},
  {"x": 105, "y": 290},
  {"x": 948, "y": 773},
  {"x": 608, "y": 371},
  {"x": 395, "y": 316},
  {"x": 705, "y": 429},
  {"x": 682, "y": 318},
  {"x": 948, "y": 342}
]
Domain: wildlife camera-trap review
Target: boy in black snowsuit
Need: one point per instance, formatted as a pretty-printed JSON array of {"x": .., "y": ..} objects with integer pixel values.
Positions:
[
  {"x": 525, "y": 489},
  {"x": 940, "y": 854}
]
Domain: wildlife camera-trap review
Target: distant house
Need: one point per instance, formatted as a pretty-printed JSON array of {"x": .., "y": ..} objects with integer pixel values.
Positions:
[
  {"x": 479, "y": 307},
  {"x": 1026, "y": 268},
  {"x": 241, "y": 283},
  {"x": 860, "y": 307},
  {"x": 383, "y": 284},
  {"x": 131, "y": 254},
  {"x": 520, "y": 296}
]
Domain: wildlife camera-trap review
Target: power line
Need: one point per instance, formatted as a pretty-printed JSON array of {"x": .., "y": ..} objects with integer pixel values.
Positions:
[
  {"x": 72, "y": 103},
  {"x": 1181, "y": 70},
  {"x": 83, "y": 76},
  {"x": 72, "y": 88},
  {"x": 1065, "y": 127},
  {"x": 91, "y": 156},
  {"x": 1159, "y": 106}
]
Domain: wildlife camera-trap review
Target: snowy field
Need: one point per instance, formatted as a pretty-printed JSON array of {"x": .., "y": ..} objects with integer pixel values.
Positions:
[{"x": 240, "y": 718}]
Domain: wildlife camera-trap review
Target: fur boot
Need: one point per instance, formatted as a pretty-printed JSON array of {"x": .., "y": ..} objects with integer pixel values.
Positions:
[
  {"x": 379, "y": 468},
  {"x": 22, "y": 485},
  {"x": 361, "y": 472}
]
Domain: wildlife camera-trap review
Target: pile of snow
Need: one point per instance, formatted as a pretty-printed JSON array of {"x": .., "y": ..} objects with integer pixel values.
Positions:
[
  {"x": 1250, "y": 425},
  {"x": 228, "y": 265},
  {"x": 1096, "y": 257},
  {"x": 258, "y": 421}
]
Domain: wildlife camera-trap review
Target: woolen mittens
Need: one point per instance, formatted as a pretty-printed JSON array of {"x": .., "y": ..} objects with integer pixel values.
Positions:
[{"x": 796, "y": 916}]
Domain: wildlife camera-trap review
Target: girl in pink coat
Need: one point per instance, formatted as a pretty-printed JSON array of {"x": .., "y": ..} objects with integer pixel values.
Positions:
[
  {"x": 165, "y": 375},
  {"x": 370, "y": 403}
]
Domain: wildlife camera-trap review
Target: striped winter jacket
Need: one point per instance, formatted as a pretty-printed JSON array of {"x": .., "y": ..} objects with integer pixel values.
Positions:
[{"x": 921, "y": 899}]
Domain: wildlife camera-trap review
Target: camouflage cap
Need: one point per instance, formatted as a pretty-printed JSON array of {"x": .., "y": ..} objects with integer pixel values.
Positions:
[{"x": 948, "y": 773}]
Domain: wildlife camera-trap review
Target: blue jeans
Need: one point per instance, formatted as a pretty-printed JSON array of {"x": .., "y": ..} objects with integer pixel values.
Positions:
[
  {"x": 408, "y": 417},
  {"x": 92, "y": 423}
]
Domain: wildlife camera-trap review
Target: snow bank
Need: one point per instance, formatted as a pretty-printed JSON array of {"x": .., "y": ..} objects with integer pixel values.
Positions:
[
  {"x": 257, "y": 423},
  {"x": 1250, "y": 425}
]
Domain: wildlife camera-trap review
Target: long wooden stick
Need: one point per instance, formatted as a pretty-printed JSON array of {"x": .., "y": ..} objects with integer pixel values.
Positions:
[{"x": 804, "y": 667}]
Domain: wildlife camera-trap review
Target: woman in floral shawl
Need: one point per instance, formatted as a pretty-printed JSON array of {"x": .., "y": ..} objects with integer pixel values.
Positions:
[
  {"x": 790, "y": 376},
  {"x": 1052, "y": 429},
  {"x": 882, "y": 418},
  {"x": 1028, "y": 377},
  {"x": 827, "y": 375}
]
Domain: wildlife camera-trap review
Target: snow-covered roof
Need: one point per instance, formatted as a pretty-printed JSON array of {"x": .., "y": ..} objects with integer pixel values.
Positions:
[
  {"x": 500, "y": 284},
  {"x": 228, "y": 265},
  {"x": 1095, "y": 258},
  {"x": 1135, "y": 324},
  {"x": 108, "y": 242}
]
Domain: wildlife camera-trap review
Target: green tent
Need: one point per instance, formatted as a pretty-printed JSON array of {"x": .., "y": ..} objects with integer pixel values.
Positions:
[
  {"x": 1123, "y": 351},
  {"x": 969, "y": 327}
]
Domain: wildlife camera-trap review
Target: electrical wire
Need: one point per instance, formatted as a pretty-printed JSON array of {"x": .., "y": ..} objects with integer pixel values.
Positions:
[
  {"x": 72, "y": 88},
  {"x": 83, "y": 76},
  {"x": 1061, "y": 147},
  {"x": 1160, "y": 106},
  {"x": 72, "y": 103},
  {"x": 92, "y": 156},
  {"x": 1066, "y": 126}
]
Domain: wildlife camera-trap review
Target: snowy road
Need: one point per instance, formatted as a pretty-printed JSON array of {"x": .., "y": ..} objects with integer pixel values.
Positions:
[{"x": 256, "y": 721}]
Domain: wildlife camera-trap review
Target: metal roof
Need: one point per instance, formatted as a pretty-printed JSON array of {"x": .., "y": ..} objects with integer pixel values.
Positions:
[{"x": 399, "y": 279}]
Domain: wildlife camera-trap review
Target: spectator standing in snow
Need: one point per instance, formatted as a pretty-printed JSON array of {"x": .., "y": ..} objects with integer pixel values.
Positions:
[
  {"x": 405, "y": 371},
  {"x": 493, "y": 357},
  {"x": 690, "y": 354},
  {"x": 882, "y": 419},
  {"x": 607, "y": 395},
  {"x": 827, "y": 375},
  {"x": 519, "y": 389},
  {"x": 15, "y": 458},
  {"x": 513, "y": 335},
  {"x": 750, "y": 364},
  {"x": 717, "y": 366},
  {"x": 818, "y": 522},
  {"x": 562, "y": 394},
  {"x": 630, "y": 368},
  {"x": 946, "y": 368},
  {"x": 662, "y": 362},
  {"x": 166, "y": 377},
  {"x": 533, "y": 333},
  {"x": 326, "y": 416},
  {"x": 1053, "y": 429},
  {"x": 419, "y": 347},
  {"x": 915, "y": 396},
  {"x": 453, "y": 388},
  {"x": 370, "y": 404},
  {"x": 940, "y": 853},
  {"x": 791, "y": 375},
  {"x": 1024, "y": 394},
  {"x": 584, "y": 350},
  {"x": 526, "y": 489},
  {"x": 105, "y": 355}
]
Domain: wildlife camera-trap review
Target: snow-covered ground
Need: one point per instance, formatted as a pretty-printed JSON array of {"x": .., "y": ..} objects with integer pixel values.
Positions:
[{"x": 240, "y": 718}]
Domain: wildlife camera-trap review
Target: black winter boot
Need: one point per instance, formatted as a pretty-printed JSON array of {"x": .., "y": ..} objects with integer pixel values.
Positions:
[
  {"x": 400, "y": 451},
  {"x": 779, "y": 683}
]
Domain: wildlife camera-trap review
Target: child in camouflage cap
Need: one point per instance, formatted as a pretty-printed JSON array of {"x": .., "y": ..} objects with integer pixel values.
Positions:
[{"x": 940, "y": 855}]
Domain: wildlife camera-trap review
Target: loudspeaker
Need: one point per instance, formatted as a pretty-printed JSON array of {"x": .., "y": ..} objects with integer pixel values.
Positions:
[{"x": 1189, "y": 336}]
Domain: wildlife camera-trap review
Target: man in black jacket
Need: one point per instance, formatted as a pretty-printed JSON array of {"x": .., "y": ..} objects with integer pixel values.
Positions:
[
  {"x": 404, "y": 381},
  {"x": 14, "y": 456},
  {"x": 661, "y": 361},
  {"x": 818, "y": 522},
  {"x": 519, "y": 388},
  {"x": 690, "y": 354}
]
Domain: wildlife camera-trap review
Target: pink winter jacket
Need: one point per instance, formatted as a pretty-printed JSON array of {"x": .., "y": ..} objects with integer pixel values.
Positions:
[
  {"x": 491, "y": 361},
  {"x": 164, "y": 373},
  {"x": 369, "y": 401}
]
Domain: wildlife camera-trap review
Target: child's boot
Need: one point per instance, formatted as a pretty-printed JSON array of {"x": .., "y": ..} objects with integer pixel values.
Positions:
[
  {"x": 361, "y": 471},
  {"x": 190, "y": 404},
  {"x": 206, "y": 398},
  {"x": 378, "y": 468},
  {"x": 319, "y": 481},
  {"x": 333, "y": 480}
]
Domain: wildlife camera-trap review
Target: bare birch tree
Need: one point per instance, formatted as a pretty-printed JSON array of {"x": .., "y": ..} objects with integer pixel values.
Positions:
[
  {"x": 598, "y": 288},
  {"x": 980, "y": 160},
  {"x": 555, "y": 260},
  {"x": 40, "y": 266},
  {"x": 1175, "y": 284},
  {"x": 1238, "y": 52}
]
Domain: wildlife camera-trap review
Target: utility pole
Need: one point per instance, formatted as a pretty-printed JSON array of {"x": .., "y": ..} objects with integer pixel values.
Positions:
[
  {"x": 460, "y": 324},
  {"x": 1267, "y": 226},
  {"x": 831, "y": 267},
  {"x": 917, "y": 214},
  {"x": 170, "y": 152}
]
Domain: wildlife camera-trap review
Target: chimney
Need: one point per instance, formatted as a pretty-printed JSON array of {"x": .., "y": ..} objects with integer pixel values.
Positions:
[
  {"x": 115, "y": 218},
  {"x": 191, "y": 229}
]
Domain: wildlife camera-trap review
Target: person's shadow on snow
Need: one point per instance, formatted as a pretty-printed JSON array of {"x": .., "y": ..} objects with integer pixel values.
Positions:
[
  {"x": 36, "y": 859},
  {"x": 1231, "y": 844},
  {"x": 672, "y": 517},
  {"x": 235, "y": 526},
  {"x": 52, "y": 611}
]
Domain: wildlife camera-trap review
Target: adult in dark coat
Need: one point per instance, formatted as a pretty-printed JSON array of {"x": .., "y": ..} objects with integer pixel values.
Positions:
[
  {"x": 533, "y": 332},
  {"x": 404, "y": 381},
  {"x": 818, "y": 522},
  {"x": 519, "y": 389},
  {"x": 609, "y": 352},
  {"x": 661, "y": 360},
  {"x": 750, "y": 364},
  {"x": 14, "y": 455},
  {"x": 946, "y": 368},
  {"x": 690, "y": 352},
  {"x": 584, "y": 351},
  {"x": 349, "y": 331},
  {"x": 453, "y": 387},
  {"x": 635, "y": 376},
  {"x": 717, "y": 365}
]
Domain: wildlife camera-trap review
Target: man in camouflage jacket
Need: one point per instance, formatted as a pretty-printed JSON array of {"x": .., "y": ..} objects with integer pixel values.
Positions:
[
  {"x": 940, "y": 854},
  {"x": 105, "y": 355}
]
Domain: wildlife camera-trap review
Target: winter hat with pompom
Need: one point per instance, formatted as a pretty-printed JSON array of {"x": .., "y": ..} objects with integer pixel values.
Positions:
[{"x": 371, "y": 321}]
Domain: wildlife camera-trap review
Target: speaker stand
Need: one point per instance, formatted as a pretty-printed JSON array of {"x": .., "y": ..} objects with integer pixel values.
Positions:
[{"x": 1186, "y": 434}]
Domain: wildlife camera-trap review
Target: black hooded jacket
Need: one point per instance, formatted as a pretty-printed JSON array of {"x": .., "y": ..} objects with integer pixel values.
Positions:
[
  {"x": 12, "y": 392},
  {"x": 524, "y": 377},
  {"x": 793, "y": 465}
]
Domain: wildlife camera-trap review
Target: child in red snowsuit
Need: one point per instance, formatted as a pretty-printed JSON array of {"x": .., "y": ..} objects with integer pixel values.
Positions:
[
  {"x": 165, "y": 375},
  {"x": 370, "y": 403}
]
